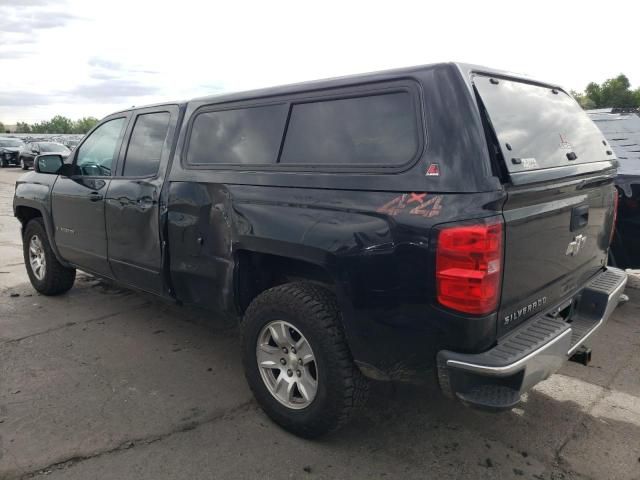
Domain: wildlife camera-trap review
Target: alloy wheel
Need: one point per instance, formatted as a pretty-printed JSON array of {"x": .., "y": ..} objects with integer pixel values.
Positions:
[
  {"x": 37, "y": 258},
  {"x": 287, "y": 364}
]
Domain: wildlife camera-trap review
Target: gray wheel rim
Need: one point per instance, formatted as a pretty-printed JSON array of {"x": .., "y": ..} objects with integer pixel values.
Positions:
[
  {"x": 287, "y": 364},
  {"x": 37, "y": 258}
]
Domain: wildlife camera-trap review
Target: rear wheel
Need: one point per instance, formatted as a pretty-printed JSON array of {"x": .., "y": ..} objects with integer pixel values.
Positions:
[
  {"x": 297, "y": 361},
  {"x": 47, "y": 275}
]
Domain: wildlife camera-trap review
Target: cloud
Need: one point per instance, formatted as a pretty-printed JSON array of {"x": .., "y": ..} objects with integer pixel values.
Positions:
[
  {"x": 112, "y": 90},
  {"x": 35, "y": 20},
  {"x": 20, "y": 98},
  {"x": 12, "y": 54},
  {"x": 23, "y": 3},
  {"x": 103, "y": 63},
  {"x": 104, "y": 66},
  {"x": 107, "y": 91},
  {"x": 21, "y": 21},
  {"x": 103, "y": 75}
]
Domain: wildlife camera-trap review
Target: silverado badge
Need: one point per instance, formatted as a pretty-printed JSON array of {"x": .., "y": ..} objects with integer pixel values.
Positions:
[
  {"x": 576, "y": 244},
  {"x": 533, "y": 306}
]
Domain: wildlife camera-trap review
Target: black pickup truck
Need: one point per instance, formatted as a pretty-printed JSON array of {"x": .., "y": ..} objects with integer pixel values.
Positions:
[{"x": 443, "y": 222}]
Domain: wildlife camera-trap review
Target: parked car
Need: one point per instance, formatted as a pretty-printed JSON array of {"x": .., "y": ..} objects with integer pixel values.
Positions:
[
  {"x": 71, "y": 143},
  {"x": 33, "y": 149},
  {"x": 9, "y": 150},
  {"x": 443, "y": 222},
  {"x": 621, "y": 128}
]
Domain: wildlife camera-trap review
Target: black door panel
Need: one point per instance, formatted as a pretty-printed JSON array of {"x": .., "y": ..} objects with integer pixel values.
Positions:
[
  {"x": 133, "y": 200},
  {"x": 134, "y": 238},
  {"x": 78, "y": 202},
  {"x": 78, "y": 217}
]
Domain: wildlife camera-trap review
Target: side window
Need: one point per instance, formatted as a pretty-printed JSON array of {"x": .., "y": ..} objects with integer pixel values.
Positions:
[
  {"x": 373, "y": 130},
  {"x": 146, "y": 143},
  {"x": 242, "y": 136},
  {"x": 96, "y": 154}
]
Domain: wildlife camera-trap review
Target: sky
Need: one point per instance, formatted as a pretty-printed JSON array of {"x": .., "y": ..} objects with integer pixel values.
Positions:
[{"x": 90, "y": 58}]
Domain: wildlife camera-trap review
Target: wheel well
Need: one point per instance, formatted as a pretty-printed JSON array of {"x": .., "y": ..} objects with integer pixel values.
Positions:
[
  {"x": 257, "y": 272},
  {"x": 26, "y": 214}
]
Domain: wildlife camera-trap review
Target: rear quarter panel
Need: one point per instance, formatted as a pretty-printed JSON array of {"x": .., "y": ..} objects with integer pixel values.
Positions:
[{"x": 376, "y": 246}]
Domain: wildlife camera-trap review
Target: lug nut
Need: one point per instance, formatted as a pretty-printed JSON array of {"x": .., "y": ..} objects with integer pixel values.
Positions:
[
  {"x": 290, "y": 373},
  {"x": 283, "y": 361},
  {"x": 284, "y": 350},
  {"x": 293, "y": 350},
  {"x": 299, "y": 373},
  {"x": 299, "y": 361}
]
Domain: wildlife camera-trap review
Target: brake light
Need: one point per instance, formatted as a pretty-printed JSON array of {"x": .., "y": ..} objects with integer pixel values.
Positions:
[
  {"x": 616, "y": 199},
  {"x": 469, "y": 267}
]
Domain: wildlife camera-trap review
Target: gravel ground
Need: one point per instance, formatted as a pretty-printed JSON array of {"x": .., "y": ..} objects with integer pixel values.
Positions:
[{"x": 109, "y": 384}]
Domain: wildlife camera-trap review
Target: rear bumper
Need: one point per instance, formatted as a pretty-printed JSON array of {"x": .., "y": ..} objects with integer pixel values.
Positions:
[{"x": 497, "y": 378}]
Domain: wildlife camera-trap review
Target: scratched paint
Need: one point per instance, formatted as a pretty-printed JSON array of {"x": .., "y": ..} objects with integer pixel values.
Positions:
[{"x": 420, "y": 204}]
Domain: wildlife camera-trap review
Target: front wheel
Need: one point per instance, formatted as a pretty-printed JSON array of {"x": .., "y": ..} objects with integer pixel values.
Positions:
[
  {"x": 22, "y": 164},
  {"x": 47, "y": 275},
  {"x": 297, "y": 361},
  {"x": 3, "y": 163}
]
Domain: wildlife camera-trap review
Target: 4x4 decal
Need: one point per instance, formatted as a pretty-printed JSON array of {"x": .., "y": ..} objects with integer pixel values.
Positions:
[{"x": 417, "y": 203}]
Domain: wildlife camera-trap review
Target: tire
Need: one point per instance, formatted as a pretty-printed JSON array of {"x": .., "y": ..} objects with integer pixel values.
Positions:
[
  {"x": 312, "y": 312},
  {"x": 3, "y": 163},
  {"x": 23, "y": 165},
  {"x": 54, "y": 278}
]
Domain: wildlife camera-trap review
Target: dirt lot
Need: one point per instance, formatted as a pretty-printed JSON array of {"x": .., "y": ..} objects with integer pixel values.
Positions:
[{"x": 106, "y": 383}]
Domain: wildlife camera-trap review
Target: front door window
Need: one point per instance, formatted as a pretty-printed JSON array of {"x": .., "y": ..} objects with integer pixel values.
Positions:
[{"x": 97, "y": 153}]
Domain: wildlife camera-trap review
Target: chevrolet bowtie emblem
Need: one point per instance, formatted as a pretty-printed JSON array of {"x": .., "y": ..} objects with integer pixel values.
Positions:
[{"x": 576, "y": 244}]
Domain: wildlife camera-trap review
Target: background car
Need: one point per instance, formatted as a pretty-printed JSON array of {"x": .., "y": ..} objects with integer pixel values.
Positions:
[
  {"x": 33, "y": 149},
  {"x": 9, "y": 151},
  {"x": 71, "y": 144}
]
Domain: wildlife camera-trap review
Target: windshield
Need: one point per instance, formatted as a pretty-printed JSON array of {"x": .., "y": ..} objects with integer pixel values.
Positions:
[
  {"x": 539, "y": 127},
  {"x": 10, "y": 142},
  {"x": 53, "y": 147}
]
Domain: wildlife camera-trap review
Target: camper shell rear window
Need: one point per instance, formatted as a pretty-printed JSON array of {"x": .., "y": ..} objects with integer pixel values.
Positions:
[{"x": 539, "y": 127}]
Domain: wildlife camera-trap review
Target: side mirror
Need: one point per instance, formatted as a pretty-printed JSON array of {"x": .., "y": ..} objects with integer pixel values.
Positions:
[
  {"x": 34, "y": 150},
  {"x": 51, "y": 164}
]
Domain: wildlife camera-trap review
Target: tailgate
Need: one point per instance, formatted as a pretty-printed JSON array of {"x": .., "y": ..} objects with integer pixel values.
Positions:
[{"x": 559, "y": 175}]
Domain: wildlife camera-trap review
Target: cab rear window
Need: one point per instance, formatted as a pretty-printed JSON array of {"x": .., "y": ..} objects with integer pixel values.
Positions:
[{"x": 539, "y": 127}]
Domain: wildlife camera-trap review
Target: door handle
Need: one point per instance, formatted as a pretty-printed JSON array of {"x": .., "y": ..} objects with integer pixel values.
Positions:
[
  {"x": 95, "y": 197},
  {"x": 579, "y": 217}
]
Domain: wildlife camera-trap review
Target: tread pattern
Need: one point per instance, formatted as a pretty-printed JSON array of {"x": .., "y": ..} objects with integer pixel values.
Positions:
[
  {"x": 311, "y": 305},
  {"x": 58, "y": 279}
]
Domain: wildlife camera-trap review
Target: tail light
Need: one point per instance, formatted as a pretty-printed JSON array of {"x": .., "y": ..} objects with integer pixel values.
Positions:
[
  {"x": 616, "y": 199},
  {"x": 469, "y": 266}
]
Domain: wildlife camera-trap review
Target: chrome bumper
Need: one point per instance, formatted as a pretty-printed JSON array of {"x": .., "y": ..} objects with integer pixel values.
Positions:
[{"x": 497, "y": 378}]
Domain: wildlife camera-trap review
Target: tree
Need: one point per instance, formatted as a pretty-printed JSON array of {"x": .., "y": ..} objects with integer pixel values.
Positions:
[
  {"x": 614, "y": 92},
  {"x": 84, "y": 124},
  {"x": 42, "y": 127},
  {"x": 60, "y": 124},
  {"x": 23, "y": 127},
  {"x": 584, "y": 101}
]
